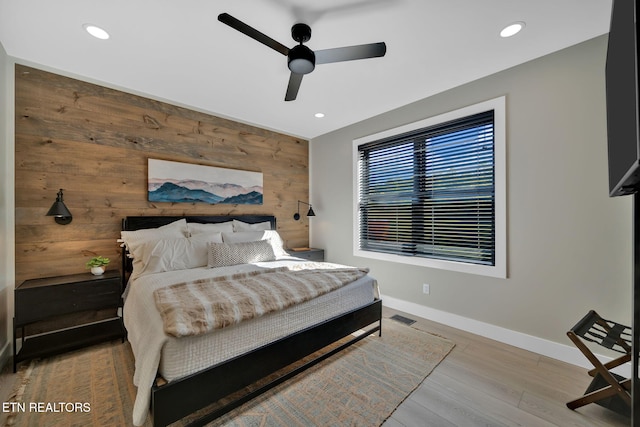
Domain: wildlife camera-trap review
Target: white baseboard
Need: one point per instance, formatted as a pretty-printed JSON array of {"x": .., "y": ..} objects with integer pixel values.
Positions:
[{"x": 562, "y": 352}]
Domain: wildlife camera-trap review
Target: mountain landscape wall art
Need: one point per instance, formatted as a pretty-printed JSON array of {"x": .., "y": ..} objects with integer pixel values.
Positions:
[{"x": 175, "y": 182}]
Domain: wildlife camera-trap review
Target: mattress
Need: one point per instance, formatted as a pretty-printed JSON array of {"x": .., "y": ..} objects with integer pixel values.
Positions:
[{"x": 184, "y": 356}]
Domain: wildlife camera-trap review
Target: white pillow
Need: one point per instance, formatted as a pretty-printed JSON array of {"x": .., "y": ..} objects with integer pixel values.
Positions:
[
  {"x": 157, "y": 256},
  {"x": 245, "y": 226},
  {"x": 198, "y": 228},
  {"x": 175, "y": 230},
  {"x": 224, "y": 254},
  {"x": 251, "y": 236}
]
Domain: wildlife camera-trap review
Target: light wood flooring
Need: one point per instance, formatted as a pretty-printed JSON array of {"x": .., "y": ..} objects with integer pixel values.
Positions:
[
  {"x": 482, "y": 383},
  {"x": 486, "y": 383}
]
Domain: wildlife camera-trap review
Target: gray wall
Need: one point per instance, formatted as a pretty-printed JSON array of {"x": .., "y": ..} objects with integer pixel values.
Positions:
[{"x": 569, "y": 244}]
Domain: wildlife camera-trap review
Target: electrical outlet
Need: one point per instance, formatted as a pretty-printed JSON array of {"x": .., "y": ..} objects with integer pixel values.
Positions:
[{"x": 426, "y": 288}]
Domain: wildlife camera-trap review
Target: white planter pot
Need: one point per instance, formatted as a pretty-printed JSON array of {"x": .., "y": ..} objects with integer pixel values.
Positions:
[{"x": 97, "y": 271}]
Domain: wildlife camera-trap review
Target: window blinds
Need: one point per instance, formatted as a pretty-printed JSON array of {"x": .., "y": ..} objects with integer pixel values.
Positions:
[{"x": 430, "y": 192}]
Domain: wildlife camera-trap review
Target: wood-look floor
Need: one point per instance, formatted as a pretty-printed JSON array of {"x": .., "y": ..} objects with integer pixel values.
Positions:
[
  {"x": 486, "y": 383},
  {"x": 482, "y": 383}
]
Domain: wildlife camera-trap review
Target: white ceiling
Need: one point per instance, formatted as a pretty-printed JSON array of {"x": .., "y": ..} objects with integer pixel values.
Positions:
[{"x": 177, "y": 51}]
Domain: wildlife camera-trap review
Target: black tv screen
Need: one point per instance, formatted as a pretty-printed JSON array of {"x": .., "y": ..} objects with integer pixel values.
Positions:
[{"x": 622, "y": 100}]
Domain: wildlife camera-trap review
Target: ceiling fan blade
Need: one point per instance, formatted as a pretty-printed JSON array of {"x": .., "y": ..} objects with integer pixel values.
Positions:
[
  {"x": 236, "y": 24},
  {"x": 294, "y": 85},
  {"x": 350, "y": 53}
]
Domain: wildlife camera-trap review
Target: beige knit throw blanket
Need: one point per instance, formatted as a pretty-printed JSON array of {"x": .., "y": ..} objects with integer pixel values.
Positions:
[{"x": 201, "y": 306}]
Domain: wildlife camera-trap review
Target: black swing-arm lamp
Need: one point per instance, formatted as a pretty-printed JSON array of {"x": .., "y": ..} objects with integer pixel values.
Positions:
[
  {"x": 59, "y": 211},
  {"x": 296, "y": 216}
]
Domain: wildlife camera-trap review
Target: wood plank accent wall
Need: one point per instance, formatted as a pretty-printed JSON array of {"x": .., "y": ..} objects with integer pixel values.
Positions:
[{"x": 94, "y": 143}]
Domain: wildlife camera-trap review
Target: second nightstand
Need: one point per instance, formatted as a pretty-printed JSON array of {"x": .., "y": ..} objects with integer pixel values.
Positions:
[{"x": 312, "y": 254}]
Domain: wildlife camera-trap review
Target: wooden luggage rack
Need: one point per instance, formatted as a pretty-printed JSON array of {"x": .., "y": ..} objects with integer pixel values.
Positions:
[{"x": 607, "y": 388}]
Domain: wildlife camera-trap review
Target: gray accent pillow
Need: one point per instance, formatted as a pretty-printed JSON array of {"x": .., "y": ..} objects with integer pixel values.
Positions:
[
  {"x": 224, "y": 254},
  {"x": 251, "y": 236}
]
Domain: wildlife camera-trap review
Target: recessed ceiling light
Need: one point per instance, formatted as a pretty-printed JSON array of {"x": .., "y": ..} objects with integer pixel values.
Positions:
[
  {"x": 96, "y": 32},
  {"x": 319, "y": 115},
  {"x": 512, "y": 29}
]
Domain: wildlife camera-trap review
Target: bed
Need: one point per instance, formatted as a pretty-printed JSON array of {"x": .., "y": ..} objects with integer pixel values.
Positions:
[{"x": 178, "y": 375}]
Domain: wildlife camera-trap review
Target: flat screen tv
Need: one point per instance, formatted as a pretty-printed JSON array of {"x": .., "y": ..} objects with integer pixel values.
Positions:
[{"x": 622, "y": 100}]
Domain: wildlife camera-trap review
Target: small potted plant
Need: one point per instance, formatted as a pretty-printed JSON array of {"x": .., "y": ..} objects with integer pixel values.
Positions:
[{"x": 97, "y": 265}]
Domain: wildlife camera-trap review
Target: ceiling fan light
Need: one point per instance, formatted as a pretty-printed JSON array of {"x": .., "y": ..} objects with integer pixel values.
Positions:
[{"x": 301, "y": 66}]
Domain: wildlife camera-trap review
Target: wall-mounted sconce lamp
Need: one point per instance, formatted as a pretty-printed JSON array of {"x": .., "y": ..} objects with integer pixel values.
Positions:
[
  {"x": 296, "y": 216},
  {"x": 59, "y": 211}
]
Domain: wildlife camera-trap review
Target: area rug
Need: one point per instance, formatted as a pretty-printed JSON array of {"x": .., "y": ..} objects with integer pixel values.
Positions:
[{"x": 360, "y": 386}]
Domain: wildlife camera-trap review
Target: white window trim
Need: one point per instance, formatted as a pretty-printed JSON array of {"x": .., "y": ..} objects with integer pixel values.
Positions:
[{"x": 500, "y": 268}]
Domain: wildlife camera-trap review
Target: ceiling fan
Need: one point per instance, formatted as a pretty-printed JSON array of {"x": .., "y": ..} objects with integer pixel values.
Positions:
[{"x": 300, "y": 59}]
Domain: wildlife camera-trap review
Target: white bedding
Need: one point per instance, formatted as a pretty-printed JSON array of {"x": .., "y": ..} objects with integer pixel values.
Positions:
[{"x": 174, "y": 358}]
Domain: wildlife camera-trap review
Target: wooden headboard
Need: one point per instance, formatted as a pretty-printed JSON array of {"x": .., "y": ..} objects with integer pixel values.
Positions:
[{"x": 131, "y": 223}]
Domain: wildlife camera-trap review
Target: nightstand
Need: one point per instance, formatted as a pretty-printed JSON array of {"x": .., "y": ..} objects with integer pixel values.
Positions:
[
  {"x": 312, "y": 254},
  {"x": 41, "y": 299}
]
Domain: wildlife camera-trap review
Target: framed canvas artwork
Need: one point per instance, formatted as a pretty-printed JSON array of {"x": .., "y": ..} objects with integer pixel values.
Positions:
[{"x": 176, "y": 182}]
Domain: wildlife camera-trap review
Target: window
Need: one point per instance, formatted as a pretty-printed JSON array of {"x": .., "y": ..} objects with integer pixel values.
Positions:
[{"x": 432, "y": 193}]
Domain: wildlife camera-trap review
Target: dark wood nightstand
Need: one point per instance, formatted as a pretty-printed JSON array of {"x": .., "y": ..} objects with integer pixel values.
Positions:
[
  {"x": 312, "y": 254},
  {"x": 41, "y": 299}
]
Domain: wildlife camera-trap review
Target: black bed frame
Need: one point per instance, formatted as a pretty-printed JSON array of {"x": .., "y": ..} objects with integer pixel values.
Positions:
[{"x": 179, "y": 398}]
